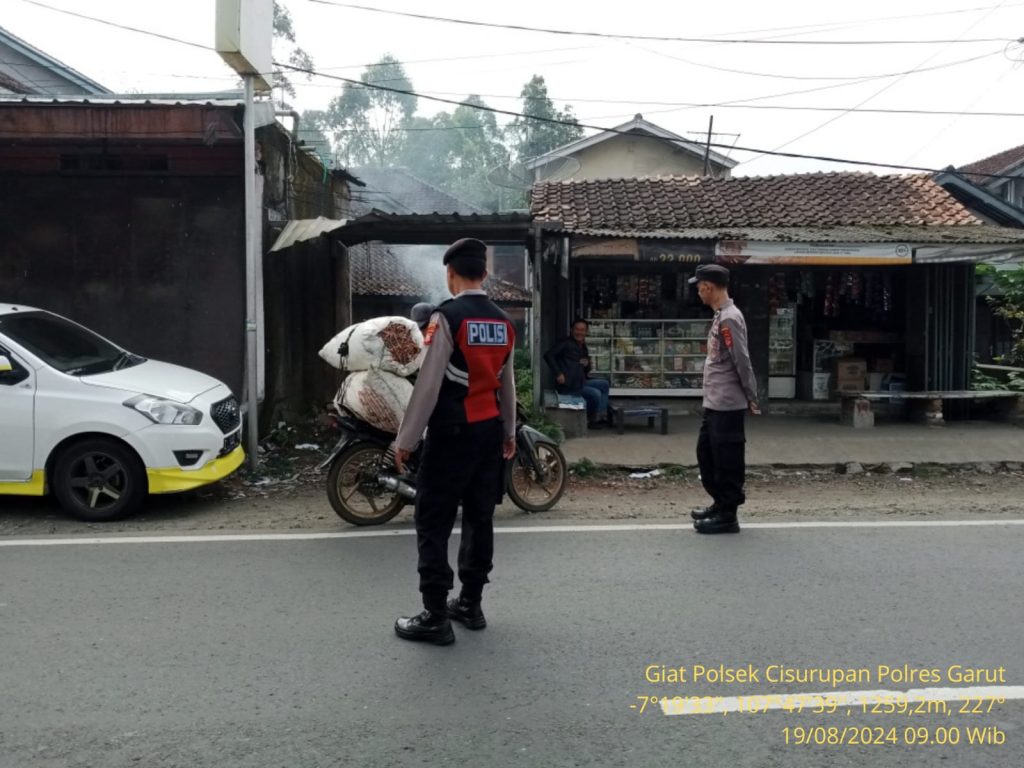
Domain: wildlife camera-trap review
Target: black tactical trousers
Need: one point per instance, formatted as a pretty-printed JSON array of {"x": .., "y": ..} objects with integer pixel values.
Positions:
[
  {"x": 463, "y": 464},
  {"x": 721, "y": 450}
]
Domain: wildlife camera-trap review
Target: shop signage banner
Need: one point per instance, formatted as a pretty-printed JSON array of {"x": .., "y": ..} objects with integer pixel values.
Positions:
[
  {"x": 604, "y": 248},
  {"x": 833, "y": 254},
  {"x": 970, "y": 254},
  {"x": 675, "y": 252}
]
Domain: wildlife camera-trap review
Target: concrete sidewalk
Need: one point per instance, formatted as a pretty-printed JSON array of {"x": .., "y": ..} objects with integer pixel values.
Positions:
[{"x": 794, "y": 441}]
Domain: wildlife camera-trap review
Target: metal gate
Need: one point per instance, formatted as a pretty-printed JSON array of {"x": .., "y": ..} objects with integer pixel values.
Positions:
[{"x": 949, "y": 334}]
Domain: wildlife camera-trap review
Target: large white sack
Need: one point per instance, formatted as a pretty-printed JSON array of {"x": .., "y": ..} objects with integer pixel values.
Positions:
[
  {"x": 377, "y": 397},
  {"x": 392, "y": 344}
]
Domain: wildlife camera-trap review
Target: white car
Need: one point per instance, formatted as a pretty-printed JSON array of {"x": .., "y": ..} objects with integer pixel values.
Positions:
[{"x": 100, "y": 427}]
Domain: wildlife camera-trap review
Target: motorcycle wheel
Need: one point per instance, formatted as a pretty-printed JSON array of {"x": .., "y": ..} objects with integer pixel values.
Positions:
[
  {"x": 353, "y": 490},
  {"x": 526, "y": 491}
]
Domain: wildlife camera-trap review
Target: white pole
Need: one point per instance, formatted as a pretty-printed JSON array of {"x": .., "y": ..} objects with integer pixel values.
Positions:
[{"x": 252, "y": 210}]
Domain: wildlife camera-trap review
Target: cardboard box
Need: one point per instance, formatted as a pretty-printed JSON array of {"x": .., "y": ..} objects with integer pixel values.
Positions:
[
  {"x": 850, "y": 385},
  {"x": 851, "y": 369}
]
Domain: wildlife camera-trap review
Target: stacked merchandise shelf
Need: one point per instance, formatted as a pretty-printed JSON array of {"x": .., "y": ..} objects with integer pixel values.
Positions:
[{"x": 650, "y": 357}]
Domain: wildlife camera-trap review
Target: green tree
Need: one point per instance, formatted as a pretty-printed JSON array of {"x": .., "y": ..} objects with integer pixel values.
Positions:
[
  {"x": 533, "y": 137},
  {"x": 458, "y": 151},
  {"x": 368, "y": 124},
  {"x": 1009, "y": 305},
  {"x": 285, "y": 42}
]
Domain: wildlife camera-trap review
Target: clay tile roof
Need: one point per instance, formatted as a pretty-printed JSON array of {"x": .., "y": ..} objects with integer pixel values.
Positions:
[
  {"x": 377, "y": 270},
  {"x": 997, "y": 163},
  {"x": 666, "y": 203}
]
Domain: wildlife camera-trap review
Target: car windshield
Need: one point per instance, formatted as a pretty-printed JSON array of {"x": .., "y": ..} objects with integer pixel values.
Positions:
[{"x": 63, "y": 345}]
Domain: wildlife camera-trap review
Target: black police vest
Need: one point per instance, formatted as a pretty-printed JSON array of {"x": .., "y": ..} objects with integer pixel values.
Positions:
[{"x": 483, "y": 339}]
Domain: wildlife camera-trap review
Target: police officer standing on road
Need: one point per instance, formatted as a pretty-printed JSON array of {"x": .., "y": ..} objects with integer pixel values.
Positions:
[
  {"x": 465, "y": 398},
  {"x": 730, "y": 390}
]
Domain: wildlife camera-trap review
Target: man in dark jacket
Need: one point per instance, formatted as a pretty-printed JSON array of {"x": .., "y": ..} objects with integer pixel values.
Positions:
[
  {"x": 569, "y": 360},
  {"x": 465, "y": 399}
]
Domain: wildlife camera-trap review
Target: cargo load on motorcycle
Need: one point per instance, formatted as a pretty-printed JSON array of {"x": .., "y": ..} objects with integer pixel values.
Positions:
[{"x": 378, "y": 355}]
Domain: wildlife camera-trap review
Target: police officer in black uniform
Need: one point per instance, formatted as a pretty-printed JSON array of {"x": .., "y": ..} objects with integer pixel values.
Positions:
[{"x": 465, "y": 398}]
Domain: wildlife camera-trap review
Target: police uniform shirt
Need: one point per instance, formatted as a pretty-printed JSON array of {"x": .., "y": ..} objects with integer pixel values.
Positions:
[
  {"x": 729, "y": 383},
  {"x": 436, "y": 363}
]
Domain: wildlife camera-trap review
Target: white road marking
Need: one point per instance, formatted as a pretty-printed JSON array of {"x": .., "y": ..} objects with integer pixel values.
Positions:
[
  {"x": 811, "y": 702},
  {"x": 386, "y": 532}
]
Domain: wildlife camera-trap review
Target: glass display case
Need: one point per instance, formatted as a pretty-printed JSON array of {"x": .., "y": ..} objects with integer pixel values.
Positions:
[
  {"x": 649, "y": 357},
  {"x": 782, "y": 352}
]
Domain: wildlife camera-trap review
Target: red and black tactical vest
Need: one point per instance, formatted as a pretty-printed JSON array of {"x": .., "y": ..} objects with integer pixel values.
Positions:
[{"x": 483, "y": 338}]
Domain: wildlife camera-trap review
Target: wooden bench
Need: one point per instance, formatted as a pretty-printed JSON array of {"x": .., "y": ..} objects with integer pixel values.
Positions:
[
  {"x": 618, "y": 413},
  {"x": 856, "y": 410}
]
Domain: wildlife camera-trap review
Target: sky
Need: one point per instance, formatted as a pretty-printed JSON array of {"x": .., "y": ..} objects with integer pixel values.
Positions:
[{"x": 766, "y": 96}]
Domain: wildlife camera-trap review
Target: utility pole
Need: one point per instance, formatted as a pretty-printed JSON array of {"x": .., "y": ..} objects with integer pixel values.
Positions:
[
  {"x": 707, "y": 148},
  {"x": 252, "y": 223}
]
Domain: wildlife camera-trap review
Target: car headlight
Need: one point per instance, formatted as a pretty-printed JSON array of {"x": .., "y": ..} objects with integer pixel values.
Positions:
[{"x": 165, "y": 411}]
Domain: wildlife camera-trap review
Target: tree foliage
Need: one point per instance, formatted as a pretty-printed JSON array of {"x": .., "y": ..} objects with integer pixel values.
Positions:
[
  {"x": 368, "y": 124},
  {"x": 1009, "y": 305},
  {"x": 285, "y": 42},
  {"x": 458, "y": 150},
  {"x": 533, "y": 137},
  {"x": 464, "y": 151}
]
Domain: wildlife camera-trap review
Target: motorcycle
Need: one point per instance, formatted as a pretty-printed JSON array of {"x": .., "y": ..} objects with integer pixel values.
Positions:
[{"x": 365, "y": 488}]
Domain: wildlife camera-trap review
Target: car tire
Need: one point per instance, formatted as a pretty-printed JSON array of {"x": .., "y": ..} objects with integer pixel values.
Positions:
[{"x": 98, "y": 480}]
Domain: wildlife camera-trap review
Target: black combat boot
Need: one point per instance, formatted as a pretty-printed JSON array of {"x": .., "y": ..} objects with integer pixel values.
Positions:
[
  {"x": 427, "y": 627},
  {"x": 723, "y": 521},
  {"x": 466, "y": 613},
  {"x": 703, "y": 513}
]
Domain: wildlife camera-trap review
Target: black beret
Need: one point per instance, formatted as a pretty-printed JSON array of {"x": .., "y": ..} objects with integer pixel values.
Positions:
[
  {"x": 466, "y": 248},
  {"x": 712, "y": 273}
]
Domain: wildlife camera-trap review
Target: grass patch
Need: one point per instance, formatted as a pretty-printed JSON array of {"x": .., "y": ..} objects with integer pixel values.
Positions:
[
  {"x": 929, "y": 470},
  {"x": 584, "y": 468}
]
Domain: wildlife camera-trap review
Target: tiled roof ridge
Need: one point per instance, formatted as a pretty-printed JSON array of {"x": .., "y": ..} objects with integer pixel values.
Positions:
[
  {"x": 734, "y": 179},
  {"x": 996, "y": 162},
  {"x": 824, "y": 198}
]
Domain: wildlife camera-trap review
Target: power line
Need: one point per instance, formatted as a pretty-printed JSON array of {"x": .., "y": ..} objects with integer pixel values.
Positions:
[
  {"x": 463, "y": 58},
  {"x": 710, "y": 105},
  {"x": 556, "y": 121},
  {"x": 832, "y": 26},
  {"x": 860, "y": 78},
  {"x": 119, "y": 26},
  {"x": 659, "y": 38},
  {"x": 735, "y": 104},
  {"x": 484, "y": 108},
  {"x": 877, "y": 93}
]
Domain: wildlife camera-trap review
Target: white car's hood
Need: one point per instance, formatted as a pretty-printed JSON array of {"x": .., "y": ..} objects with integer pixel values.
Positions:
[{"x": 159, "y": 379}]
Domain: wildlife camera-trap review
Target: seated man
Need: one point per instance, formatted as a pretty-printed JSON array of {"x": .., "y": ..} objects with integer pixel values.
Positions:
[{"x": 569, "y": 360}]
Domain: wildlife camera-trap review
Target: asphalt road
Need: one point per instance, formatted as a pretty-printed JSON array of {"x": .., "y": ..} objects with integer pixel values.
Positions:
[{"x": 282, "y": 653}]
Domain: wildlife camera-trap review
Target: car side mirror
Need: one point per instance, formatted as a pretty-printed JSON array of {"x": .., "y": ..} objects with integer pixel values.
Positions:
[{"x": 9, "y": 374}]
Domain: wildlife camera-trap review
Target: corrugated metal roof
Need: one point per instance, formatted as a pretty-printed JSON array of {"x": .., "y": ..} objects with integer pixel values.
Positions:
[
  {"x": 299, "y": 230},
  {"x": 206, "y": 100},
  {"x": 47, "y": 62}
]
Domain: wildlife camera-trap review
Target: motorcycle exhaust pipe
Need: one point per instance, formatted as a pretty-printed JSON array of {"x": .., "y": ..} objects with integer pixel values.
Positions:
[{"x": 401, "y": 487}]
